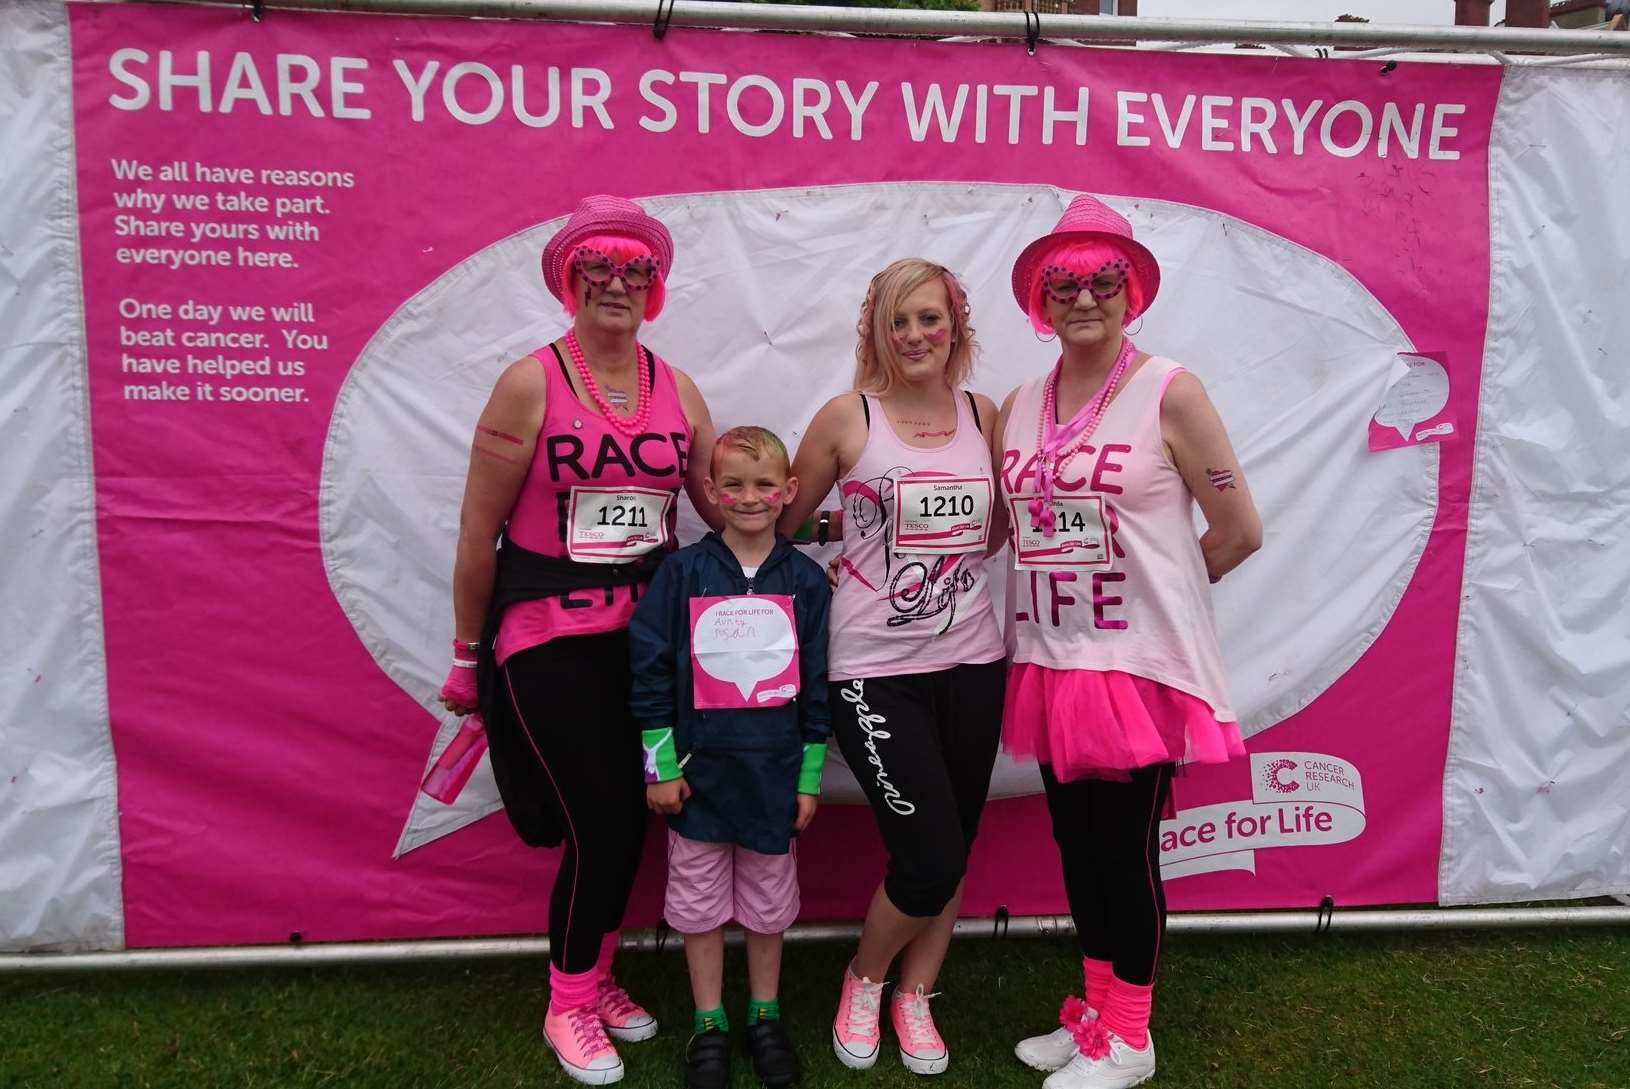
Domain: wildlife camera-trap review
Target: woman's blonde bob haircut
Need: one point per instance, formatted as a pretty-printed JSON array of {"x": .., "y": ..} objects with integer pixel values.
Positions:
[{"x": 877, "y": 364}]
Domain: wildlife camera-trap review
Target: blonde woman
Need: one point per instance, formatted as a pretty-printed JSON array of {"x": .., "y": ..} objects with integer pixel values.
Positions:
[{"x": 915, "y": 659}]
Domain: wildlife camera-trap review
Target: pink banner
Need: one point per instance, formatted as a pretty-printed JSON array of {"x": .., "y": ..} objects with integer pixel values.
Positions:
[{"x": 258, "y": 201}]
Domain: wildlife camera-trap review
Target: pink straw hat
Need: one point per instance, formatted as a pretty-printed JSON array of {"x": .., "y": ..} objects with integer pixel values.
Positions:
[
  {"x": 1088, "y": 218},
  {"x": 604, "y": 214}
]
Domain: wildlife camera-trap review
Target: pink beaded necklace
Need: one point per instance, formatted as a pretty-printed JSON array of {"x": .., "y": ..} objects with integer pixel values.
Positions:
[
  {"x": 628, "y": 425},
  {"x": 1056, "y": 445}
]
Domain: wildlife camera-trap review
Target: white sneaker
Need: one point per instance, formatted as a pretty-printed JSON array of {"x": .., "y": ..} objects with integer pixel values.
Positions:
[
  {"x": 1046, "y": 1053},
  {"x": 1121, "y": 1067},
  {"x": 1050, "y": 1052}
]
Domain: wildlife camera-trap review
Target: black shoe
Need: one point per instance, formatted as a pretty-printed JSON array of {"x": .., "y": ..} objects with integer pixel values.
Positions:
[
  {"x": 707, "y": 1061},
  {"x": 774, "y": 1060}
]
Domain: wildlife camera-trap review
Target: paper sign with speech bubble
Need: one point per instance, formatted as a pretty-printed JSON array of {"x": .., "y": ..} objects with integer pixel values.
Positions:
[
  {"x": 744, "y": 651},
  {"x": 1413, "y": 410}
]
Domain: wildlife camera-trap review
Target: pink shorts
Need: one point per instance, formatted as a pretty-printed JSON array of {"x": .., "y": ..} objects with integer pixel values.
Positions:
[{"x": 711, "y": 883}]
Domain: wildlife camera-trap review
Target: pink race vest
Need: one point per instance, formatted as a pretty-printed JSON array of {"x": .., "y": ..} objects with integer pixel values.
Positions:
[
  {"x": 1124, "y": 589},
  {"x": 594, "y": 495}
]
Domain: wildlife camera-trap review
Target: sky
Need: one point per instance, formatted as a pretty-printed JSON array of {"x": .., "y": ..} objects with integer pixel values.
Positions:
[{"x": 1441, "y": 12}]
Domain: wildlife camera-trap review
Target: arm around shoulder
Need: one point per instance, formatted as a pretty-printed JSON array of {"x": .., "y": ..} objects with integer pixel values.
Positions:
[
  {"x": 701, "y": 448},
  {"x": 817, "y": 463}
]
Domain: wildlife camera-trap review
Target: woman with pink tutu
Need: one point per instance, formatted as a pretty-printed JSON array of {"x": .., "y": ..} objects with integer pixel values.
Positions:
[{"x": 1115, "y": 674}]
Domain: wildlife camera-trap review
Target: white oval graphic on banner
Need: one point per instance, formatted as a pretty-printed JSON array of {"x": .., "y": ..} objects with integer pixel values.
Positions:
[{"x": 761, "y": 312}]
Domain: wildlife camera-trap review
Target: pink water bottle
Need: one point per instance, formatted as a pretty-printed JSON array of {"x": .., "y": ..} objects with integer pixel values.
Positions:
[{"x": 457, "y": 762}]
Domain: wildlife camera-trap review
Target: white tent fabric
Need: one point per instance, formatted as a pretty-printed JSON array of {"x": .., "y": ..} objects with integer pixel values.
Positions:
[
  {"x": 59, "y": 834},
  {"x": 1536, "y": 798}
]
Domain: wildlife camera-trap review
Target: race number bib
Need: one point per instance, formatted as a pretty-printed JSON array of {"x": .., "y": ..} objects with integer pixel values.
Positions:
[
  {"x": 616, "y": 525},
  {"x": 941, "y": 514},
  {"x": 1079, "y": 538},
  {"x": 743, "y": 651}
]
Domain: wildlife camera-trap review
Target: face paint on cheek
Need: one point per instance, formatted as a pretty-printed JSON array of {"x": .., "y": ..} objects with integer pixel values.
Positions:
[
  {"x": 727, "y": 500},
  {"x": 937, "y": 337},
  {"x": 773, "y": 499}
]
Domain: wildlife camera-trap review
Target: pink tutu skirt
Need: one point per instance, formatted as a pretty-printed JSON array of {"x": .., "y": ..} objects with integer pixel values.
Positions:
[{"x": 1088, "y": 723}]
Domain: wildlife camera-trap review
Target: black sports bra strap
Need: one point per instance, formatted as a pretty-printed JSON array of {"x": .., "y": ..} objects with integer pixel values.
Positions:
[
  {"x": 866, "y": 410},
  {"x": 562, "y": 361},
  {"x": 650, "y": 364},
  {"x": 973, "y": 405}
]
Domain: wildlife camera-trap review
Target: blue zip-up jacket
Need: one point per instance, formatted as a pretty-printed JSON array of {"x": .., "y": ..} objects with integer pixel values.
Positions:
[{"x": 743, "y": 764}]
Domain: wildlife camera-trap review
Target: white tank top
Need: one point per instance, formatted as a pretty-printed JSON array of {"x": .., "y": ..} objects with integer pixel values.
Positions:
[
  {"x": 1149, "y": 611},
  {"x": 901, "y": 611}
]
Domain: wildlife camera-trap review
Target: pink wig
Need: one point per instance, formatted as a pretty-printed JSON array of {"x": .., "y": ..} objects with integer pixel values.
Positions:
[
  {"x": 619, "y": 248},
  {"x": 1084, "y": 258}
]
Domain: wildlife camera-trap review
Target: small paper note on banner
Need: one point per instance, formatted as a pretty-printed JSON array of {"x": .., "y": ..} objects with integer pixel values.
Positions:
[
  {"x": 744, "y": 651},
  {"x": 1415, "y": 408}
]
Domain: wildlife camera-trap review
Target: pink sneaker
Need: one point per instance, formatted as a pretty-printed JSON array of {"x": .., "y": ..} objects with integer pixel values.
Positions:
[
  {"x": 855, "y": 1031},
  {"x": 624, "y": 1019},
  {"x": 921, "y": 1047},
  {"x": 579, "y": 1042}
]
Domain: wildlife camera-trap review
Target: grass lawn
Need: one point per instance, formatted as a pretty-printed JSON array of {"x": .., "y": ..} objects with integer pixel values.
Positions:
[{"x": 1497, "y": 1010}]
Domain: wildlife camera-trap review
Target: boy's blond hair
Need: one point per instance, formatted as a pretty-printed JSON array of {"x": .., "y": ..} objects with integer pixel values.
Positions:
[{"x": 760, "y": 442}]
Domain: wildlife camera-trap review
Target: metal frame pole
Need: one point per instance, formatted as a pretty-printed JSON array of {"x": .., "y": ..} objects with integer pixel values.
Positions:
[
  {"x": 1031, "y": 926},
  {"x": 1006, "y": 25}
]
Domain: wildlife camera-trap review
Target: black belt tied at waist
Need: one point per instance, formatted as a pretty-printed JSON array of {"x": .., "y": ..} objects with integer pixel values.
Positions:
[{"x": 524, "y": 575}]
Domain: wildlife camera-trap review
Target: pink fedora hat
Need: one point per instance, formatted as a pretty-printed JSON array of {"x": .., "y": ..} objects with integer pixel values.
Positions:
[
  {"x": 1088, "y": 218},
  {"x": 604, "y": 214}
]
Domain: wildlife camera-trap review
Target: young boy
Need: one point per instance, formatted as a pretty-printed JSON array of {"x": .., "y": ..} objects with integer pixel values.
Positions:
[{"x": 728, "y": 647}]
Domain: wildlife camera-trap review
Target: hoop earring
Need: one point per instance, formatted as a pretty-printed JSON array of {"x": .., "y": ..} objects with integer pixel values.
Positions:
[
  {"x": 1049, "y": 338},
  {"x": 1134, "y": 332}
]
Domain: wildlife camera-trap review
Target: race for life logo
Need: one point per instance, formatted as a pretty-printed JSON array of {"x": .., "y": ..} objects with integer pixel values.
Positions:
[{"x": 1298, "y": 799}]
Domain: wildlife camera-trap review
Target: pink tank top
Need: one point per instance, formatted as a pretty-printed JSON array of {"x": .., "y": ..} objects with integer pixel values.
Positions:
[
  {"x": 1148, "y": 612},
  {"x": 594, "y": 494},
  {"x": 897, "y": 610}
]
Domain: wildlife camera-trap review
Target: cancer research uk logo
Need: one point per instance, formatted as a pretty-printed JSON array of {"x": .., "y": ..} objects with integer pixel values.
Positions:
[{"x": 1298, "y": 799}]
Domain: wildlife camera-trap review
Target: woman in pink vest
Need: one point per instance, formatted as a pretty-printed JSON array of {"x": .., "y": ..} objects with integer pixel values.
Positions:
[
  {"x": 1115, "y": 674},
  {"x": 915, "y": 655},
  {"x": 569, "y": 506}
]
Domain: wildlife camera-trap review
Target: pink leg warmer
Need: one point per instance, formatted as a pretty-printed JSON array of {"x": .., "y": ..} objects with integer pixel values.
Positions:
[
  {"x": 1126, "y": 1011},
  {"x": 572, "y": 990},
  {"x": 1095, "y": 977},
  {"x": 608, "y": 946}
]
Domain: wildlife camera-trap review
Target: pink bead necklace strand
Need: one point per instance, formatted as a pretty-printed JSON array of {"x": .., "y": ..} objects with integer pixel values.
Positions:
[
  {"x": 1056, "y": 445},
  {"x": 628, "y": 425}
]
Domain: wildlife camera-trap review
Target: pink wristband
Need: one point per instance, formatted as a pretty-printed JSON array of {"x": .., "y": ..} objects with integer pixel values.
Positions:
[{"x": 460, "y": 687}]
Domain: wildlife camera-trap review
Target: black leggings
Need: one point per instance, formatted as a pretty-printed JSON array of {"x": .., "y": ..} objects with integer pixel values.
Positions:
[
  {"x": 1108, "y": 837},
  {"x": 571, "y": 703},
  {"x": 921, "y": 746}
]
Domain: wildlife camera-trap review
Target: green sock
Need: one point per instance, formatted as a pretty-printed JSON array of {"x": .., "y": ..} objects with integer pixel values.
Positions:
[
  {"x": 710, "y": 1020},
  {"x": 763, "y": 1011}
]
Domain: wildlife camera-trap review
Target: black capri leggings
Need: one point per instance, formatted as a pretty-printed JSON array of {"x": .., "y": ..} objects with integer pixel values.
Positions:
[
  {"x": 921, "y": 746},
  {"x": 570, "y": 698},
  {"x": 1108, "y": 836}
]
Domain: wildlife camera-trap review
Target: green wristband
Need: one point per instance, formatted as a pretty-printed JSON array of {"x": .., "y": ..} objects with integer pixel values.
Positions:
[
  {"x": 661, "y": 761},
  {"x": 809, "y": 776}
]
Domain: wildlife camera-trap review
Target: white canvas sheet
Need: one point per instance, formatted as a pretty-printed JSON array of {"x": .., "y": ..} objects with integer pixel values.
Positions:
[
  {"x": 1536, "y": 798},
  {"x": 59, "y": 834}
]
